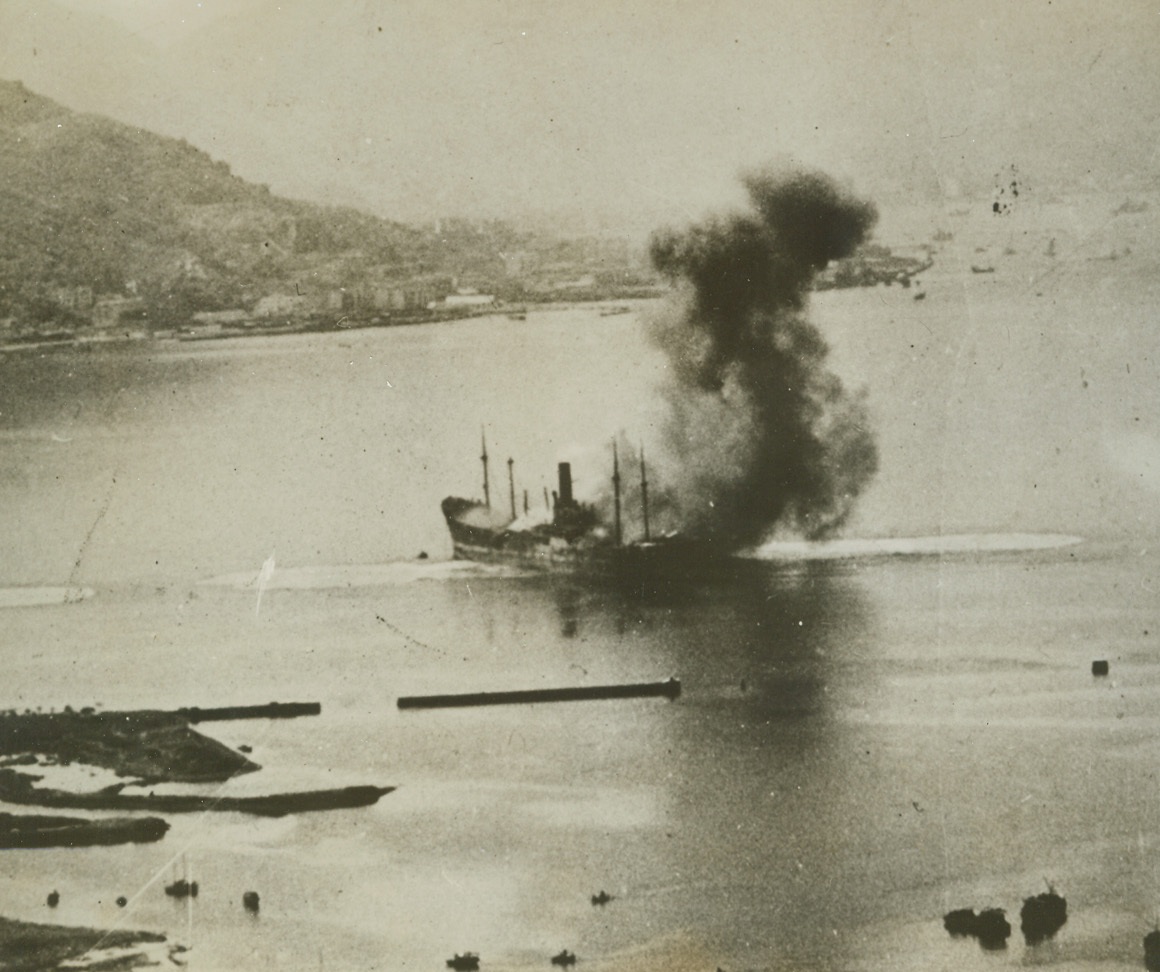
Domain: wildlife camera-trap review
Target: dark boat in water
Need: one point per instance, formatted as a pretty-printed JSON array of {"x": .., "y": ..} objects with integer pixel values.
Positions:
[
  {"x": 572, "y": 539},
  {"x": 182, "y": 888}
]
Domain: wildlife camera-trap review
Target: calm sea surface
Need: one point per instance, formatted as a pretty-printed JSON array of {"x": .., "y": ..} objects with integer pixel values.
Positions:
[{"x": 862, "y": 744}]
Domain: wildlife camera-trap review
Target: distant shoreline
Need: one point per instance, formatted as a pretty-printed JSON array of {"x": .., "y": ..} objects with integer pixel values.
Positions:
[{"x": 609, "y": 307}]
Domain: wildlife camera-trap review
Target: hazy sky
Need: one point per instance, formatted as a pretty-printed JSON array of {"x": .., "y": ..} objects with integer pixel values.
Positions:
[{"x": 425, "y": 107}]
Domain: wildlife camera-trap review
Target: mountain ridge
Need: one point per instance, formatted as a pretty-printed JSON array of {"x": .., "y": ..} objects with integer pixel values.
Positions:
[{"x": 99, "y": 205}]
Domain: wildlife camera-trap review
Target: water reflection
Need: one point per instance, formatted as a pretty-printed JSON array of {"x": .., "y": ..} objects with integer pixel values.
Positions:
[
  {"x": 768, "y": 771},
  {"x": 758, "y": 774},
  {"x": 758, "y": 635}
]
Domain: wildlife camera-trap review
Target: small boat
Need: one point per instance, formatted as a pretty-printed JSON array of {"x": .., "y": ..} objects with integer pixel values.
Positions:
[
  {"x": 564, "y": 959},
  {"x": 975, "y": 268},
  {"x": 1042, "y": 916},
  {"x": 181, "y": 888},
  {"x": 602, "y": 898},
  {"x": 1152, "y": 950},
  {"x": 464, "y": 962}
]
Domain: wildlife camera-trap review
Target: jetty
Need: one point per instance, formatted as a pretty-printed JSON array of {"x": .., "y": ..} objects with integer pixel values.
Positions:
[
  {"x": 150, "y": 747},
  {"x": 17, "y": 788},
  {"x": 670, "y": 689},
  {"x": 272, "y": 710},
  {"x": 36, "y": 830}
]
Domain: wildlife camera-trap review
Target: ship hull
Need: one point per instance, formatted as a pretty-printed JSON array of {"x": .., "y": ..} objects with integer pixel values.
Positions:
[{"x": 536, "y": 550}]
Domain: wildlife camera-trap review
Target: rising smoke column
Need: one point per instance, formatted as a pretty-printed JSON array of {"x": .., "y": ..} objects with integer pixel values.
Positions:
[{"x": 763, "y": 435}]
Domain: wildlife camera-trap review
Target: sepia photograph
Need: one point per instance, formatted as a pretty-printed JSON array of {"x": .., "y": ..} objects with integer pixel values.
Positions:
[{"x": 516, "y": 484}]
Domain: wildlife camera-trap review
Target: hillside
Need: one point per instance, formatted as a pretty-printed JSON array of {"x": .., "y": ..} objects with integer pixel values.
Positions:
[
  {"x": 90, "y": 208},
  {"x": 107, "y": 226}
]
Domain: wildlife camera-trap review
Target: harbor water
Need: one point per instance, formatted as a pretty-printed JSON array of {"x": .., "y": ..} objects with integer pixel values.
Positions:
[{"x": 864, "y": 741}]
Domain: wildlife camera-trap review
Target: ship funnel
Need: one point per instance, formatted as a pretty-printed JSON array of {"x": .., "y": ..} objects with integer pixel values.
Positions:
[{"x": 565, "y": 470}]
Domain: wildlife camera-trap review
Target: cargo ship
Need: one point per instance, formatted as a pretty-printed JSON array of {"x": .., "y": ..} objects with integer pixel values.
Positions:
[{"x": 571, "y": 538}]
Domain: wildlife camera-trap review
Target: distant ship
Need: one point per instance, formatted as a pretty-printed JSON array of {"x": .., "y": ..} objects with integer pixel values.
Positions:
[{"x": 573, "y": 538}]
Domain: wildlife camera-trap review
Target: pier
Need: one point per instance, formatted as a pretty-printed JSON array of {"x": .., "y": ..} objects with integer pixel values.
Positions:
[{"x": 670, "y": 689}]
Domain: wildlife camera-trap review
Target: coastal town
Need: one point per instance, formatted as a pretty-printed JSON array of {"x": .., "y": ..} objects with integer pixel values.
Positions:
[
  {"x": 349, "y": 296},
  {"x": 122, "y": 235},
  {"x": 596, "y": 270}
]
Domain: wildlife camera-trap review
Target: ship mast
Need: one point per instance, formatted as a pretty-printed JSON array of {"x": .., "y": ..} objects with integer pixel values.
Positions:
[
  {"x": 512, "y": 485},
  {"x": 616, "y": 488},
  {"x": 644, "y": 493},
  {"x": 483, "y": 459}
]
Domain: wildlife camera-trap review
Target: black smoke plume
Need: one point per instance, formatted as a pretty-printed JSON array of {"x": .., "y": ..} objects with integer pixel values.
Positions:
[{"x": 760, "y": 434}]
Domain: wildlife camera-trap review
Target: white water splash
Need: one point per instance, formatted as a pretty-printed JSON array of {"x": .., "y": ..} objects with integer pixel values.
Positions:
[
  {"x": 931, "y": 546},
  {"x": 366, "y": 575},
  {"x": 262, "y": 581}
]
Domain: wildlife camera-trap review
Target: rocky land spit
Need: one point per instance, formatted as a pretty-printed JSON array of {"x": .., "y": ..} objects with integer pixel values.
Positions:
[{"x": 142, "y": 748}]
